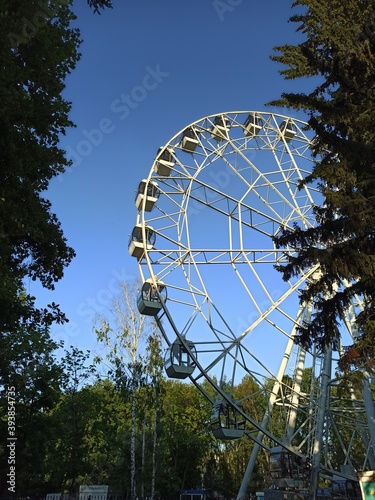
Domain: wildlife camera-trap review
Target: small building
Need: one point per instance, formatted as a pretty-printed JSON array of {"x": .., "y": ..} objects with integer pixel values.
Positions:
[
  {"x": 98, "y": 492},
  {"x": 193, "y": 495},
  {"x": 89, "y": 492}
]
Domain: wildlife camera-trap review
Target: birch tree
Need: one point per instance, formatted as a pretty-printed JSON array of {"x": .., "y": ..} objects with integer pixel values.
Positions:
[
  {"x": 154, "y": 370},
  {"x": 124, "y": 334}
]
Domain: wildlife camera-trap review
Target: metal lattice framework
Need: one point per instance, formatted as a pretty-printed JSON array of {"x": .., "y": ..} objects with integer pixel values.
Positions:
[{"x": 219, "y": 191}]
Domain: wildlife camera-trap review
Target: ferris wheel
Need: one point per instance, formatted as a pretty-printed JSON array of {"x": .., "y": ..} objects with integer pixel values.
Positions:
[{"x": 216, "y": 195}]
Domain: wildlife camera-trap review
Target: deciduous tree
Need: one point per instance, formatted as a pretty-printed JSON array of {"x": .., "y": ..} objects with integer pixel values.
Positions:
[
  {"x": 38, "y": 50},
  {"x": 186, "y": 438},
  {"x": 99, "y": 4},
  {"x": 30, "y": 371},
  {"x": 70, "y": 421},
  {"x": 124, "y": 336}
]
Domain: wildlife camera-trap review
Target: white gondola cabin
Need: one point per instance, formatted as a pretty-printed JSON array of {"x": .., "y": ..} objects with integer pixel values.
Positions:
[
  {"x": 148, "y": 190},
  {"x": 219, "y": 129},
  {"x": 288, "y": 130},
  {"x": 178, "y": 363},
  {"x": 226, "y": 422},
  {"x": 252, "y": 125},
  {"x": 164, "y": 162},
  {"x": 189, "y": 140},
  {"x": 151, "y": 298},
  {"x": 136, "y": 244}
]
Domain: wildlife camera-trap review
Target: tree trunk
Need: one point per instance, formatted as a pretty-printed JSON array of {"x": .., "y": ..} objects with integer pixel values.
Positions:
[
  {"x": 143, "y": 458},
  {"x": 154, "y": 445},
  {"x": 132, "y": 440}
]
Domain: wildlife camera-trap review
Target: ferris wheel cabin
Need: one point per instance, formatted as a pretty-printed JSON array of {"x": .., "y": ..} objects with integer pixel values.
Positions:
[
  {"x": 288, "y": 470},
  {"x": 252, "y": 125},
  {"x": 148, "y": 190},
  {"x": 219, "y": 129},
  {"x": 288, "y": 130},
  {"x": 164, "y": 162},
  {"x": 151, "y": 298},
  {"x": 226, "y": 422},
  {"x": 136, "y": 244},
  {"x": 178, "y": 362},
  {"x": 189, "y": 140}
]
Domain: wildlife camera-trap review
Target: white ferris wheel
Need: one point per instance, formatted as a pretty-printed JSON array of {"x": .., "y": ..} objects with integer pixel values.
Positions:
[{"x": 214, "y": 198}]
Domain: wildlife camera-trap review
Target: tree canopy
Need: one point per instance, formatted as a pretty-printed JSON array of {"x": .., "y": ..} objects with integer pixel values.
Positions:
[
  {"x": 99, "y": 4},
  {"x": 38, "y": 50},
  {"x": 338, "y": 50}
]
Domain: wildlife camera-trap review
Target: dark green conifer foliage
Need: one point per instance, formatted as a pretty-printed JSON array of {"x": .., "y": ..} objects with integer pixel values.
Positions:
[{"x": 337, "y": 57}]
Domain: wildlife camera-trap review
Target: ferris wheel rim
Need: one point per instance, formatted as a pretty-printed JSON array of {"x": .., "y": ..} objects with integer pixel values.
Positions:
[
  {"x": 142, "y": 221},
  {"x": 147, "y": 254}
]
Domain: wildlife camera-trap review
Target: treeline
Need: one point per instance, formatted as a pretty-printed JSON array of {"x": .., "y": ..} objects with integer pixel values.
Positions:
[{"x": 73, "y": 425}]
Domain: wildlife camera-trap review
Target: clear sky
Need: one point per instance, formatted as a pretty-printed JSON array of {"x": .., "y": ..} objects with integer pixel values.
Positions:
[{"x": 148, "y": 69}]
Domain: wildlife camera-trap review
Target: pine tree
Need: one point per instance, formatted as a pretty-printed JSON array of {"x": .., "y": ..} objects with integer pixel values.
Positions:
[{"x": 338, "y": 55}]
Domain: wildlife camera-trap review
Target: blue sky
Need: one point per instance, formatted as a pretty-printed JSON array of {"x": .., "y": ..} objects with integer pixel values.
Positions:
[{"x": 148, "y": 69}]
